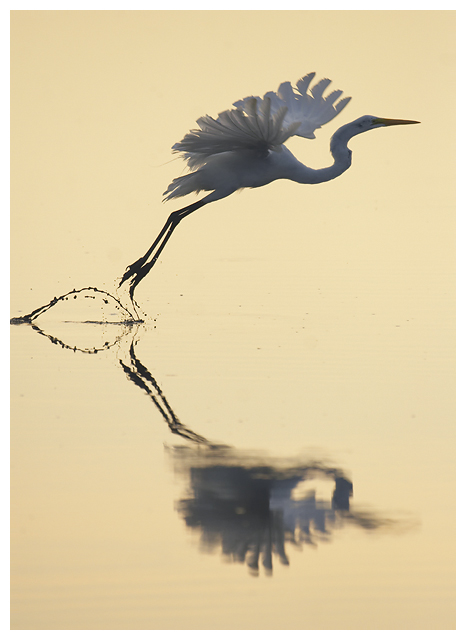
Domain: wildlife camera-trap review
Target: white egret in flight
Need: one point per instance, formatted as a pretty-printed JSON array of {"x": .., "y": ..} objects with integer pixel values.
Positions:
[{"x": 244, "y": 147}]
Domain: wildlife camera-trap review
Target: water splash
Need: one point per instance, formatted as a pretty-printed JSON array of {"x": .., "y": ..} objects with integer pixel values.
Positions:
[{"x": 126, "y": 317}]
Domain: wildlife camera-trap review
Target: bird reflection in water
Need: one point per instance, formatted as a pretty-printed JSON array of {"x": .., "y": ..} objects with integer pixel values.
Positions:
[
  {"x": 249, "y": 505},
  {"x": 246, "y": 506}
]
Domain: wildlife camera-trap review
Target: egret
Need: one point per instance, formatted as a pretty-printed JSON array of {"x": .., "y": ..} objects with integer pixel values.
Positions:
[{"x": 244, "y": 147}]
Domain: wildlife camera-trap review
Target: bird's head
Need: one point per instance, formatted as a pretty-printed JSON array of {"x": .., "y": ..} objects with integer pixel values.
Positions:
[{"x": 367, "y": 123}]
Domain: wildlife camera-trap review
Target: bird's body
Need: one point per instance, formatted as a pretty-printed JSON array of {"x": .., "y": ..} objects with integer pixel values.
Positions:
[
  {"x": 230, "y": 171},
  {"x": 244, "y": 147}
]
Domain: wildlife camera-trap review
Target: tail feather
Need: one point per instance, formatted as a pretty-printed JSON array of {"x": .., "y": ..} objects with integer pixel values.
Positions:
[{"x": 183, "y": 186}]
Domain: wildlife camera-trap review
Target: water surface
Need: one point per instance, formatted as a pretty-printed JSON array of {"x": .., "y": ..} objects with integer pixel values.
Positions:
[{"x": 252, "y": 468}]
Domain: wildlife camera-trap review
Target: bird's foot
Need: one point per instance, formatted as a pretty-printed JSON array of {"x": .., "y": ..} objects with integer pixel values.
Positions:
[{"x": 132, "y": 270}]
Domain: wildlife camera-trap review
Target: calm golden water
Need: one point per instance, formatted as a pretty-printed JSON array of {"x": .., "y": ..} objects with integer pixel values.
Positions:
[{"x": 274, "y": 448}]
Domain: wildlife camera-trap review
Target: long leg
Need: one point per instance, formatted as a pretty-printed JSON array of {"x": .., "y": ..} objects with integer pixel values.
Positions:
[{"x": 139, "y": 269}]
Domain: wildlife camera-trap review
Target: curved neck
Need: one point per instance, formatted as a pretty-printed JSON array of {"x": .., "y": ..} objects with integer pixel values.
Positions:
[{"x": 341, "y": 156}]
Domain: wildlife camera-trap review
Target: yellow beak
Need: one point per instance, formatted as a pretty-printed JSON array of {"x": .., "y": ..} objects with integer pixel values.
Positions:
[{"x": 388, "y": 122}]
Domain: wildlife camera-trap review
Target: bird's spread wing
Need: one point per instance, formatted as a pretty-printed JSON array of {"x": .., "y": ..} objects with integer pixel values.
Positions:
[
  {"x": 312, "y": 110},
  {"x": 260, "y": 124},
  {"x": 253, "y": 126}
]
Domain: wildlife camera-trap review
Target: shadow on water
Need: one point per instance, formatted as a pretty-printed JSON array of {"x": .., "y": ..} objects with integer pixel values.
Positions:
[{"x": 248, "y": 505}]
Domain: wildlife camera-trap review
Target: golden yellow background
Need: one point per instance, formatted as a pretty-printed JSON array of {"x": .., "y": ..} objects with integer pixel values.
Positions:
[{"x": 344, "y": 289}]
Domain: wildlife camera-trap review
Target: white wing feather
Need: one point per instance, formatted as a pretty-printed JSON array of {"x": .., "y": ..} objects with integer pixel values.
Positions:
[
  {"x": 311, "y": 110},
  {"x": 253, "y": 127}
]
